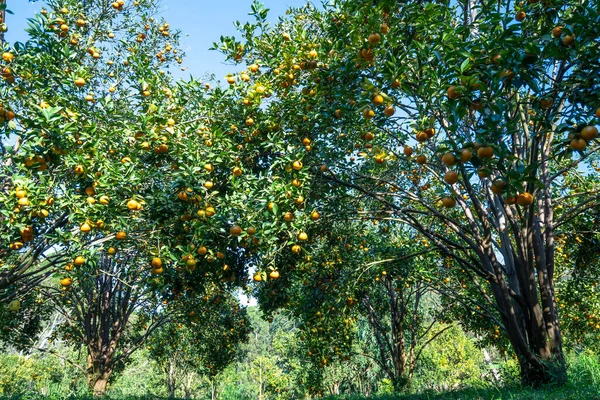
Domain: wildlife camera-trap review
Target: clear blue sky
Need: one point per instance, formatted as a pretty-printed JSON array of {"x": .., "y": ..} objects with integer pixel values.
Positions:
[{"x": 201, "y": 21}]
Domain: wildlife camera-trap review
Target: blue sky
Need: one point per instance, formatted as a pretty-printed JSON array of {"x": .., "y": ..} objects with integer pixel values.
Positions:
[{"x": 201, "y": 21}]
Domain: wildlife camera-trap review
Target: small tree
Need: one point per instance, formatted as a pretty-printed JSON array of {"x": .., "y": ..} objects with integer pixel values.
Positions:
[
  {"x": 111, "y": 310},
  {"x": 187, "y": 350}
]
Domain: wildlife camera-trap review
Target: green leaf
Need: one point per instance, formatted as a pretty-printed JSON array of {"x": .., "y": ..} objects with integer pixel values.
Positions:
[{"x": 465, "y": 65}]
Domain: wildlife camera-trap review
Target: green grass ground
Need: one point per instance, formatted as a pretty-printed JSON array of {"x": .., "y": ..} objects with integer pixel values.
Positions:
[{"x": 569, "y": 392}]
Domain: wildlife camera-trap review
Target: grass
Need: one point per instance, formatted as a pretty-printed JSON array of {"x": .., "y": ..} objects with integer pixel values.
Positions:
[
  {"x": 38, "y": 397},
  {"x": 568, "y": 392}
]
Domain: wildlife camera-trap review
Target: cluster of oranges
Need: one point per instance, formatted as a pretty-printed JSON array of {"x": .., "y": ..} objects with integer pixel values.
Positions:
[
  {"x": 580, "y": 140},
  {"x": 118, "y": 5}
]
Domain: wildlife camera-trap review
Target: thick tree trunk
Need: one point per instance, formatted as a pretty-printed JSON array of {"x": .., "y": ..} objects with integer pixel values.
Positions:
[
  {"x": 99, "y": 371},
  {"x": 533, "y": 328},
  {"x": 548, "y": 366},
  {"x": 97, "y": 384},
  {"x": 400, "y": 341}
]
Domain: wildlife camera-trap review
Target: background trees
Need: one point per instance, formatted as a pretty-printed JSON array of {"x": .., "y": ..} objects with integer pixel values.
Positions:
[{"x": 185, "y": 352}]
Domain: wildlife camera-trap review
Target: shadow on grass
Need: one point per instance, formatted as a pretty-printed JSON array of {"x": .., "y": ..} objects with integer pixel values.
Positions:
[{"x": 568, "y": 392}]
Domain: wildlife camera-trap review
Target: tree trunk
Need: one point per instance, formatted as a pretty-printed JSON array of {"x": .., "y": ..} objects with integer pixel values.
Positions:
[
  {"x": 260, "y": 380},
  {"x": 99, "y": 370},
  {"x": 186, "y": 386},
  {"x": 399, "y": 355},
  {"x": 97, "y": 384},
  {"x": 548, "y": 367},
  {"x": 533, "y": 328},
  {"x": 171, "y": 379}
]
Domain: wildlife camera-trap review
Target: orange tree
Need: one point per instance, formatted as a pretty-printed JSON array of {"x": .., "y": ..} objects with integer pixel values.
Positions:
[
  {"x": 578, "y": 260},
  {"x": 185, "y": 351},
  {"x": 386, "y": 277},
  {"x": 122, "y": 181},
  {"x": 463, "y": 121},
  {"x": 75, "y": 92},
  {"x": 58, "y": 88}
]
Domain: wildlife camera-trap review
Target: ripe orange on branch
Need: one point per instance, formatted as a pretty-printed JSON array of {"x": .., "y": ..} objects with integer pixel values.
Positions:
[
  {"x": 368, "y": 113},
  {"x": 448, "y": 201},
  {"x": 237, "y": 171},
  {"x": 156, "y": 262},
  {"x": 485, "y": 152},
  {"x": 453, "y": 92},
  {"x": 7, "y": 57},
  {"x": 302, "y": 236},
  {"x": 449, "y": 159},
  {"x": 134, "y": 205},
  {"x": 374, "y": 38},
  {"x": 451, "y": 177},
  {"x": 557, "y": 32},
  {"x": 589, "y": 133},
  {"x": 466, "y": 155},
  {"x": 578, "y": 144},
  {"x": 421, "y": 136},
  {"x": 377, "y": 100},
  {"x": 85, "y": 227},
  {"x": 569, "y": 40},
  {"x": 421, "y": 159},
  {"x": 525, "y": 199}
]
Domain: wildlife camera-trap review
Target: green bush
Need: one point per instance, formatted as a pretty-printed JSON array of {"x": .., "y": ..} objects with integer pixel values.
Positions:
[
  {"x": 35, "y": 376},
  {"x": 452, "y": 361},
  {"x": 584, "y": 369}
]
